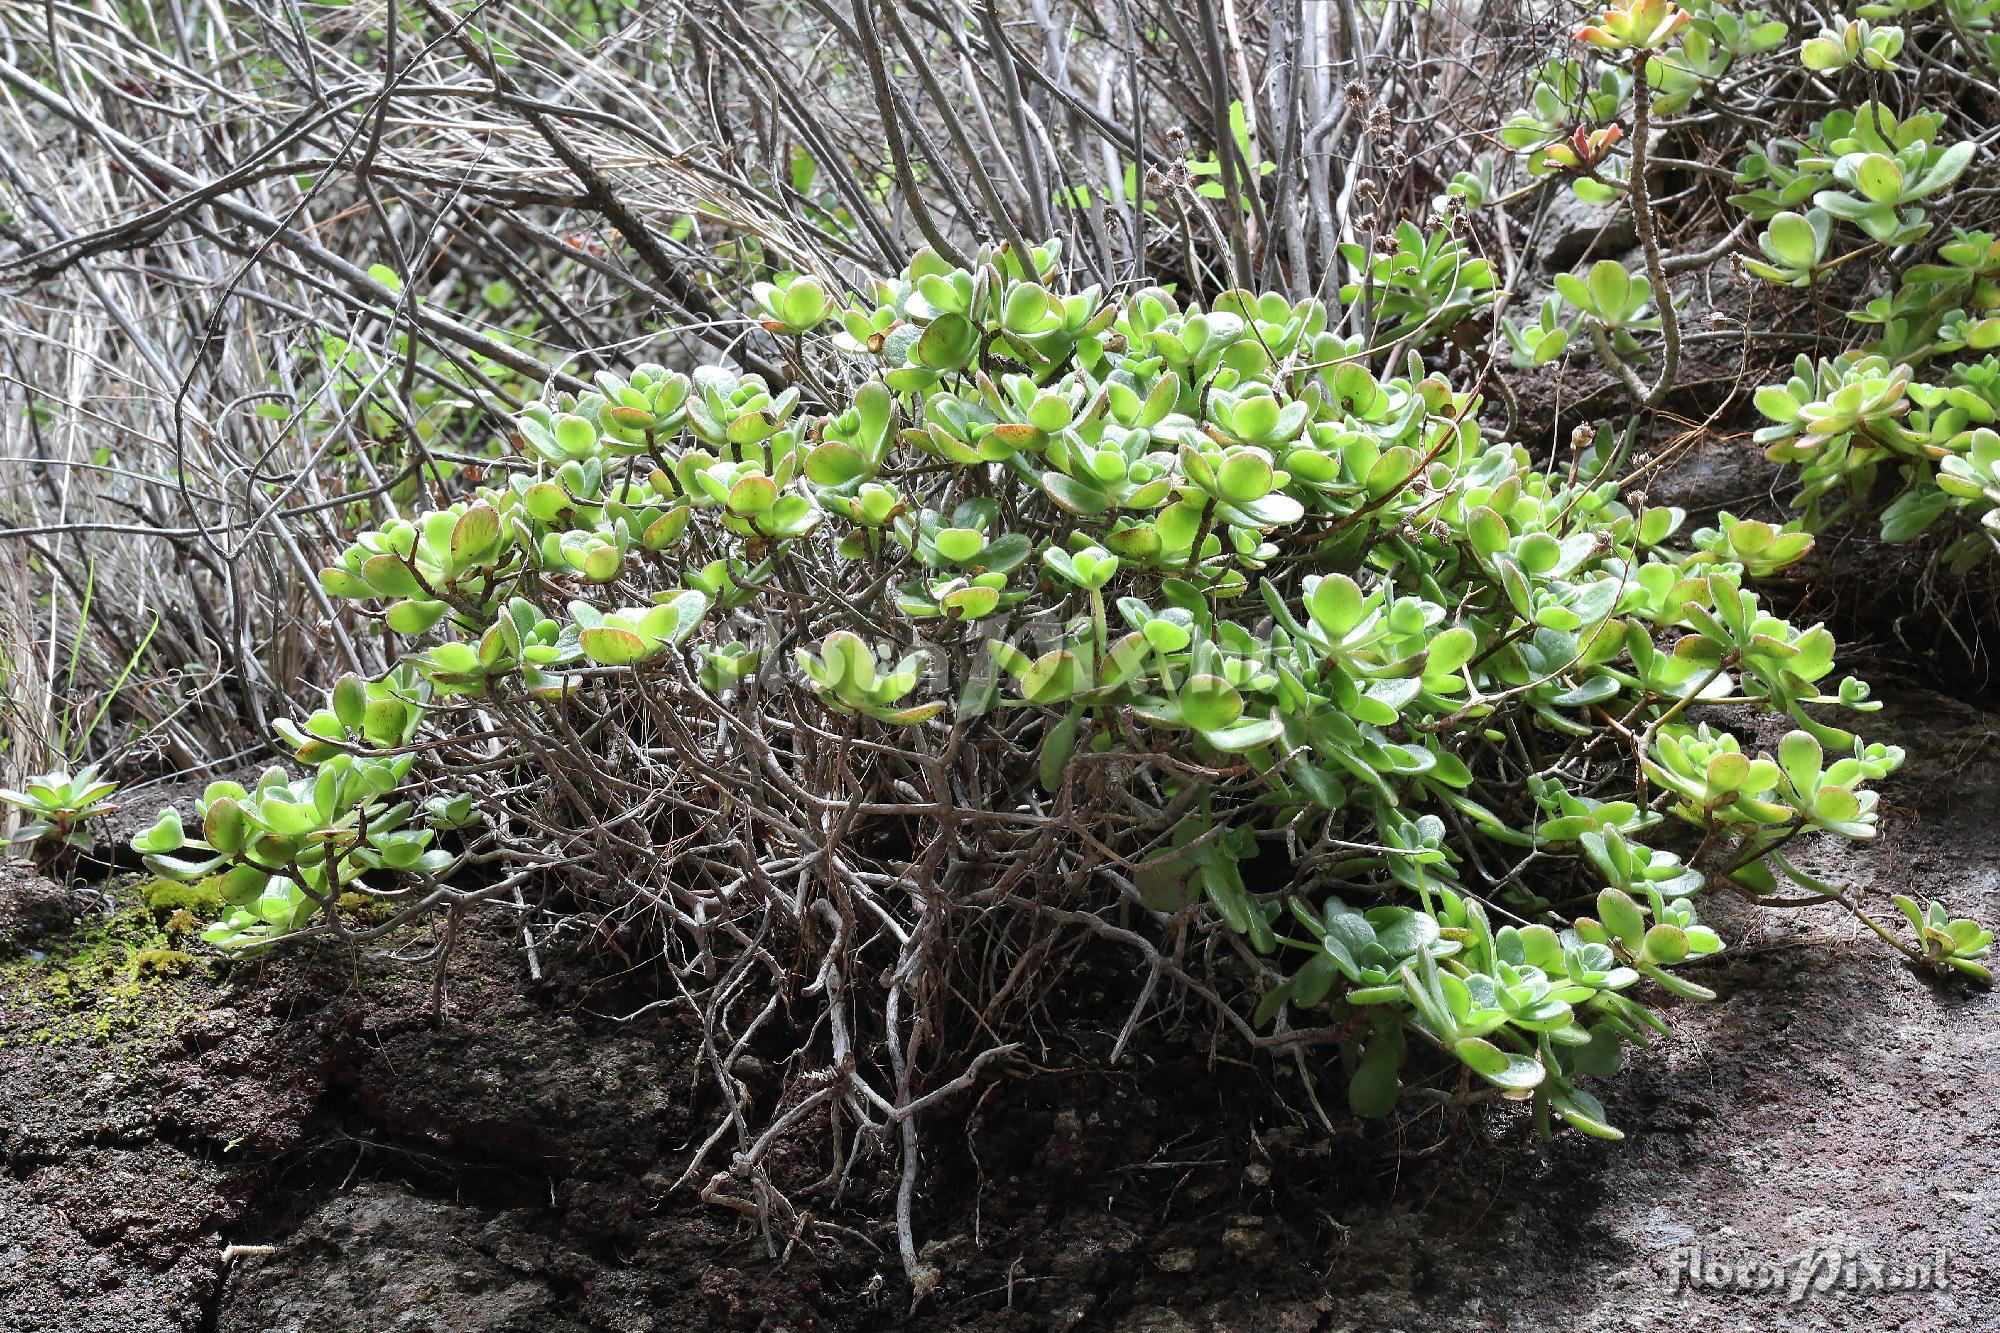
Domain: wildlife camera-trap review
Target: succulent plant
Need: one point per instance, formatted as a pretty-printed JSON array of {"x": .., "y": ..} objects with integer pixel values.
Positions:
[
  {"x": 1427, "y": 283},
  {"x": 794, "y": 308},
  {"x": 850, "y": 679},
  {"x": 1760, "y": 549},
  {"x": 630, "y": 635},
  {"x": 1218, "y": 542},
  {"x": 1613, "y": 299},
  {"x": 1543, "y": 341},
  {"x": 1643, "y": 25},
  {"x": 288, "y": 848},
  {"x": 1796, "y": 247},
  {"x": 1851, "y": 41},
  {"x": 59, "y": 806},
  {"x": 1950, "y": 942},
  {"x": 1881, "y": 187},
  {"x": 453, "y": 558}
]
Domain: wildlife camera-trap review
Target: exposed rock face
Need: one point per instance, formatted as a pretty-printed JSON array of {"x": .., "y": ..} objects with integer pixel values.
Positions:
[
  {"x": 380, "y": 1258},
  {"x": 32, "y": 909},
  {"x": 1572, "y": 230}
]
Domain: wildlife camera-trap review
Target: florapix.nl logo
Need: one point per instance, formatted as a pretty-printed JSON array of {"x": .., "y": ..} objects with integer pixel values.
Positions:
[{"x": 1826, "y": 1269}]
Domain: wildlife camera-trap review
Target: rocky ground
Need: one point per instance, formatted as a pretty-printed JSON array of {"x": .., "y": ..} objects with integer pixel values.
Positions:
[{"x": 510, "y": 1168}]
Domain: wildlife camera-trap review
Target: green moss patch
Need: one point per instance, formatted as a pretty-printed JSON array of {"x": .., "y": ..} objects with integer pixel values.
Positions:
[
  {"x": 201, "y": 899},
  {"x": 115, "y": 979},
  {"x": 365, "y": 909}
]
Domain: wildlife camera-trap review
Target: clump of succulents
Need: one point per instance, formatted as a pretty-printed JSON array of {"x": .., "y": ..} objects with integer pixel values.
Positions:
[
  {"x": 1843, "y": 419},
  {"x": 292, "y": 846},
  {"x": 1866, "y": 177},
  {"x": 1099, "y": 604}
]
